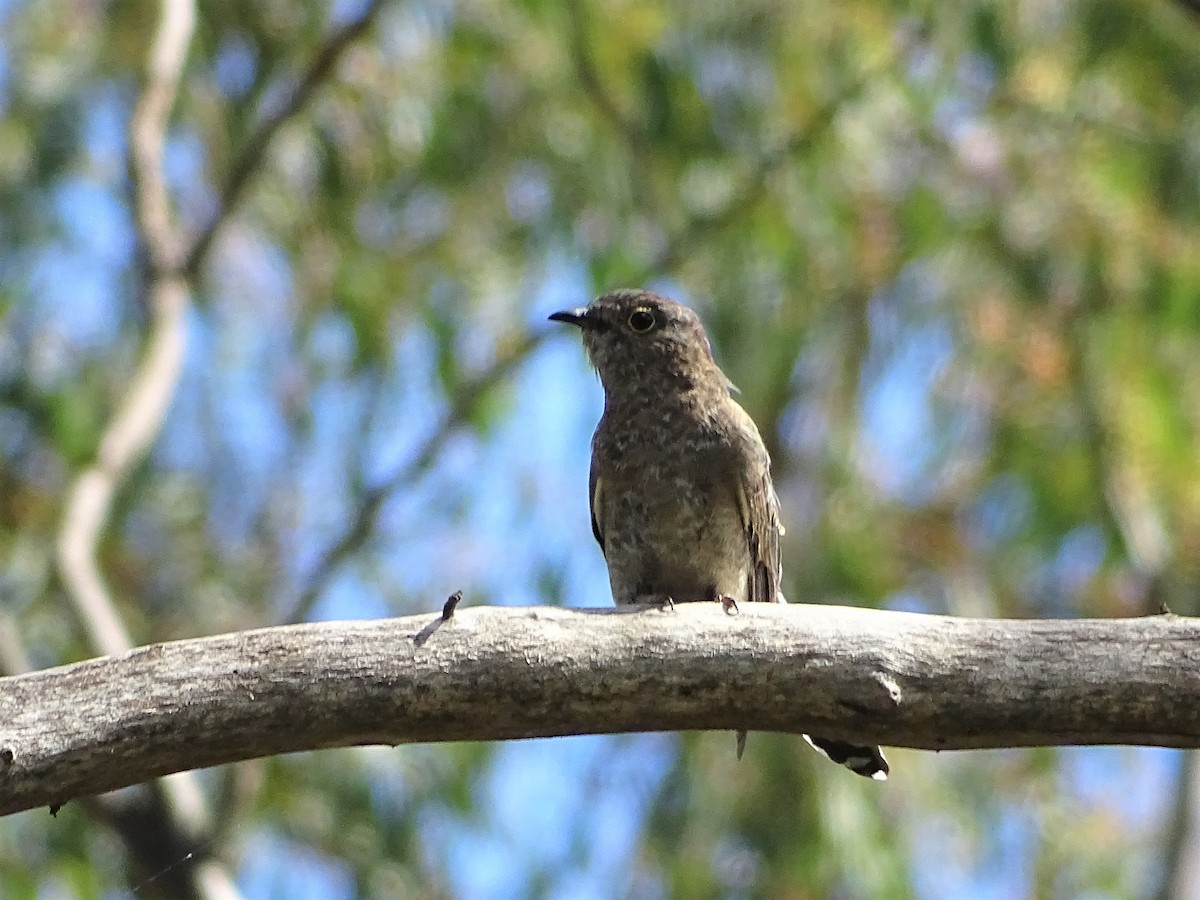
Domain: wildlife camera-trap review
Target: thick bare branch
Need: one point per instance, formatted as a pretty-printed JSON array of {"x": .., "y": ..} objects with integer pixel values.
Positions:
[{"x": 491, "y": 673}]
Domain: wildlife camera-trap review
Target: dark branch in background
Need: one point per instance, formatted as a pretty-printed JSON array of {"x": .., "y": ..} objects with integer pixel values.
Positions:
[
  {"x": 630, "y": 130},
  {"x": 1191, "y": 6},
  {"x": 1179, "y": 875},
  {"x": 755, "y": 184},
  {"x": 589, "y": 78},
  {"x": 164, "y": 861},
  {"x": 360, "y": 527},
  {"x": 1133, "y": 526},
  {"x": 251, "y": 157},
  {"x": 1130, "y": 525},
  {"x": 490, "y": 673}
]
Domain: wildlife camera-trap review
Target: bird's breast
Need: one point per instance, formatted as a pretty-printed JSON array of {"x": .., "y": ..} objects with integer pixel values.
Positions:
[{"x": 669, "y": 514}]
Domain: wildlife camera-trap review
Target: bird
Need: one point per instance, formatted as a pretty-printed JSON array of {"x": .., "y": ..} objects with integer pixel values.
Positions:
[{"x": 682, "y": 502}]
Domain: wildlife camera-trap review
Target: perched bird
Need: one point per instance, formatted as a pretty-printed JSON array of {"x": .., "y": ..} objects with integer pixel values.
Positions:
[{"x": 681, "y": 495}]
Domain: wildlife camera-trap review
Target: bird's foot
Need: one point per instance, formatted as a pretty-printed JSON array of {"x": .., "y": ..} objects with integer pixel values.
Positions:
[
  {"x": 664, "y": 602},
  {"x": 727, "y": 603}
]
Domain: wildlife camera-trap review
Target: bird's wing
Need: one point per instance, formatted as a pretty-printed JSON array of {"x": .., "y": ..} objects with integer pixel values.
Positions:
[
  {"x": 762, "y": 532},
  {"x": 759, "y": 506},
  {"x": 595, "y": 486}
]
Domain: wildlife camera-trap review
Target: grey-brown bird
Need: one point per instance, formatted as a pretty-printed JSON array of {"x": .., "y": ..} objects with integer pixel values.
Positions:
[{"x": 681, "y": 495}]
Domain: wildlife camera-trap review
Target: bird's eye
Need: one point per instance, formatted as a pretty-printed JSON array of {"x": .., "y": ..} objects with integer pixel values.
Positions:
[{"x": 641, "y": 320}]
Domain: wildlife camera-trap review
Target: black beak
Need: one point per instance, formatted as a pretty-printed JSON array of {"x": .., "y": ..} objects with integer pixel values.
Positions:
[{"x": 577, "y": 317}]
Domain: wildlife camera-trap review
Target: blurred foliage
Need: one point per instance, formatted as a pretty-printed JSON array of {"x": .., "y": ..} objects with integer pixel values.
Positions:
[{"x": 949, "y": 253}]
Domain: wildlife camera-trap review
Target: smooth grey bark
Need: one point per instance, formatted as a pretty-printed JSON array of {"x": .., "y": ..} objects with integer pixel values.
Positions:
[{"x": 493, "y": 673}]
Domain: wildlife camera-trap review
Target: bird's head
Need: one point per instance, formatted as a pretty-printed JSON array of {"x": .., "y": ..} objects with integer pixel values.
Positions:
[{"x": 632, "y": 336}]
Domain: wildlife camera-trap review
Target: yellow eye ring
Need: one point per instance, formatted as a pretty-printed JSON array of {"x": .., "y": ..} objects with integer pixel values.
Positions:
[{"x": 641, "y": 320}]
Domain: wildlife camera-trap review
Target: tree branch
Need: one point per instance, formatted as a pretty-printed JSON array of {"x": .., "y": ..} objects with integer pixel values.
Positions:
[
  {"x": 362, "y": 524},
  {"x": 148, "y": 128},
  {"x": 139, "y": 416},
  {"x": 757, "y": 181},
  {"x": 588, "y": 75},
  {"x": 1126, "y": 513},
  {"x": 252, "y": 154},
  {"x": 125, "y": 441},
  {"x": 179, "y": 810},
  {"x": 1180, "y": 873},
  {"x": 902, "y": 679},
  {"x": 1191, "y": 6}
]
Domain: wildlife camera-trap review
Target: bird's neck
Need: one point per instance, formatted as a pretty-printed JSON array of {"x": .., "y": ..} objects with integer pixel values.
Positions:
[{"x": 690, "y": 394}]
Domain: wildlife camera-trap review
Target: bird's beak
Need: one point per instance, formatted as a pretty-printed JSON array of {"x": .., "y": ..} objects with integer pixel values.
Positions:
[{"x": 577, "y": 317}]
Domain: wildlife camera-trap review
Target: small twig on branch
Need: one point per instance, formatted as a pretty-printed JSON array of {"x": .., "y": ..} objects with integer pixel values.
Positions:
[
  {"x": 255, "y": 149},
  {"x": 901, "y": 679},
  {"x": 448, "y": 608},
  {"x": 450, "y": 605}
]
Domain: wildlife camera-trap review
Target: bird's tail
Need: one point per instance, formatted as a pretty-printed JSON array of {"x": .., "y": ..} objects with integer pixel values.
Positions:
[{"x": 866, "y": 761}]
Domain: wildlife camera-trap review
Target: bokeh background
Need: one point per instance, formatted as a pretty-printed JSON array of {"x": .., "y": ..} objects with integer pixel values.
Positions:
[{"x": 949, "y": 252}]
